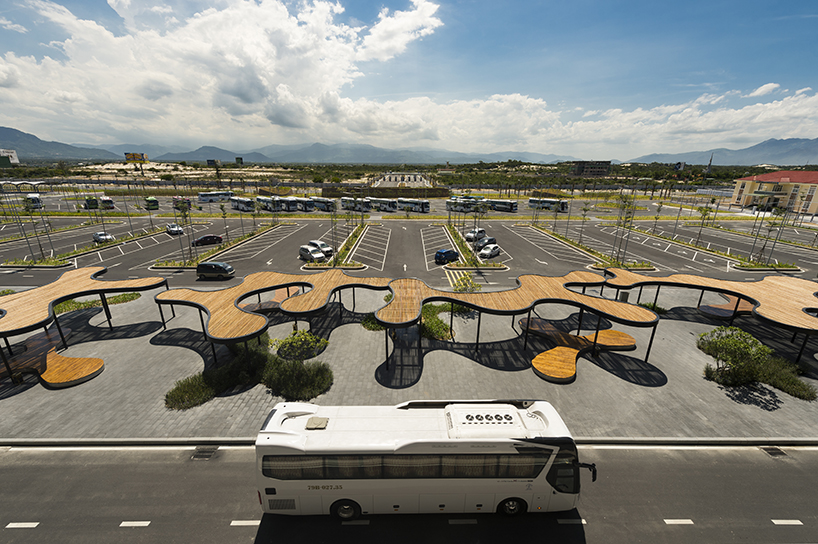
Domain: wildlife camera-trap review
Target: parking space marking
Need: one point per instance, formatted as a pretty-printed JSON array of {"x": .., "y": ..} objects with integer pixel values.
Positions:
[
  {"x": 438, "y": 236},
  {"x": 373, "y": 247}
]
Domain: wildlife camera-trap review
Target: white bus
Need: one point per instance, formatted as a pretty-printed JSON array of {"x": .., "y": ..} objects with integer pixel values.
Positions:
[
  {"x": 242, "y": 204},
  {"x": 357, "y": 204},
  {"x": 264, "y": 203},
  {"x": 506, "y": 456},
  {"x": 465, "y": 205},
  {"x": 548, "y": 204},
  {"x": 215, "y": 196},
  {"x": 303, "y": 204},
  {"x": 384, "y": 204},
  {"x": 415, "y": 205},
  {"x": 324, "y": 204},
  {"x": 502, "y": 205},
  {"x": 34, "y": 200}
]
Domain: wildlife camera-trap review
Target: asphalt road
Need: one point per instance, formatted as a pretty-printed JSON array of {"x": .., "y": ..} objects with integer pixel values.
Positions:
[{"x": 655, "y": 494}]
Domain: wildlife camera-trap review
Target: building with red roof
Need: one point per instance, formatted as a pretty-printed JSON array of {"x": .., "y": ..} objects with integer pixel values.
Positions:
[{"x": 793, "y": 190}]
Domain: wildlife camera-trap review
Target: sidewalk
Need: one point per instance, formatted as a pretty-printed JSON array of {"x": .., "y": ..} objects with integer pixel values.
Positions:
[{"x": 616, "y": 396}]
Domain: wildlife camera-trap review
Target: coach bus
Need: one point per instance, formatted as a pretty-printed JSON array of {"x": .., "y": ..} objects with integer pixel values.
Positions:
[
  {"x": 465, "y": 205},
  {"x": 242, "y": 204},
  {"x": 505, "y": 456},
  {"x": 107, "y": 203},
  {"x": 303, "y": 204},
  {"x": 384, "y": 204},
  {"x": 356, "y": 204},
  {"x": 215, "y": 196},
  {"x": 548, "y": 204},
  {"x": 502, "y": 205},
  {"x": 324, "y": 204},
  {"x": 414, "y": 204}
]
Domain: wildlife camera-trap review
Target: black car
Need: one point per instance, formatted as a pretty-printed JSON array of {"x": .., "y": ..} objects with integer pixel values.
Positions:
[
  {"x": 444, "y": 256},
  {"x": 215, "y": 270},
  {"x": 206, "y": 240}
]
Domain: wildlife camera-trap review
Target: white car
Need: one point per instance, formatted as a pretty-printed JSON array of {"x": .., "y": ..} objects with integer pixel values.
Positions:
[
  {"x": 491, "y": 250},
  {"x": 173, "y": 228},
  {"x": 102, "y": 237},
  {"x": 475, "y": 234},
  {"x": 323, "y": 246}
]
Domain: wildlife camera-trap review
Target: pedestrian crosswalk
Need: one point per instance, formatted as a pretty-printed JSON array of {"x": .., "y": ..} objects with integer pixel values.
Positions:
[{"x": 453, "y": 275}]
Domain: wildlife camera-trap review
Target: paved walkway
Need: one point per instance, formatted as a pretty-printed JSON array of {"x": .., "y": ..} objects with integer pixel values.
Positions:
[{"x": 615, "y": 395}]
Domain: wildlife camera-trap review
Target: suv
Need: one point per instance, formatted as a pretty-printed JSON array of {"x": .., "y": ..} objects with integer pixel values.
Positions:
[
  {"x": 322, "y": 246},
  {"x": 483, "y": 242},
  {"x": 475, "y": 234},
  {"x": 444, "y": 256},
  {"x": 216, "y": 270},
  {"x": 309, "y": 253}
]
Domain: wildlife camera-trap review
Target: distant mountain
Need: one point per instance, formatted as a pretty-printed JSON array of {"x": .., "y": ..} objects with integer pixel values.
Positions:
[
  {"x": 30, "y": 147},
  {"x": 789, "y": 152},
  {"x": 206, "y": 153},
  {"x": 150, "y": 150}
]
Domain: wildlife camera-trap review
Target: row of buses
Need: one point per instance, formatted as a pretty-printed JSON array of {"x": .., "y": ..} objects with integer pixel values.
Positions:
[{"x": 471, "y": 204}]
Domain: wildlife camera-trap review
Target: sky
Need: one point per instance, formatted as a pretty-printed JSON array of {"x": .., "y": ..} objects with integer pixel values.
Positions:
[{"x": 592, "y": 79}]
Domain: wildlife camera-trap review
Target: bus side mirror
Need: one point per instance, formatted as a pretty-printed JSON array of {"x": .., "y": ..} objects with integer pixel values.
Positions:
[{"x": 589, "y": 466}]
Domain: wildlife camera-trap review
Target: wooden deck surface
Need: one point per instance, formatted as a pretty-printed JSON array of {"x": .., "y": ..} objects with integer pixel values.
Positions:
[
  {"x": 780, "y": 299},
  {"x": 40, "y": 357},
  {"x": 27, "y": 309},
  {"x": 559, "y": 364}
]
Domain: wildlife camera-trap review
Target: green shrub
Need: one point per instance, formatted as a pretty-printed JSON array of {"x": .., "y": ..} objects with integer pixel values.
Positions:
[
  {"x": 651, "y": 306},
  {"x": 301, "y": 345},
  {"x": 370, "y": 323},
  {"x": 189, "y": 392},
  {"x": 297, "y": 381},
  {"x": 741, "y": 359}
]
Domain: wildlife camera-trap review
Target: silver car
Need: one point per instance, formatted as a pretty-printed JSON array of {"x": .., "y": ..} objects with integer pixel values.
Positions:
[
  {"x": 475, "y": 234},
  {"x": 325, "y": 248},
  {"x": 491, "y": 250},
  {"x": 311, "y": 254},
  {"x": 102, "y": 237}
]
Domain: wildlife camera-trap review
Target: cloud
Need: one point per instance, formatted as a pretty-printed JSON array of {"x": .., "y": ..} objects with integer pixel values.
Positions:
[
  {"x": 8, "y": 25},
  {"x": 763, "y": 90},
  {"x": 392, "y": 34}
]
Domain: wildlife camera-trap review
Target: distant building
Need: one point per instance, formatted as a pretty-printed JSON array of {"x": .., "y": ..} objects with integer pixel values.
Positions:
[
  {"x": 590, "y": 169},
  {"x": 403, "y": 177},
  {"x": 8, "y": 158},
  {"x": 793, "y": 190}
]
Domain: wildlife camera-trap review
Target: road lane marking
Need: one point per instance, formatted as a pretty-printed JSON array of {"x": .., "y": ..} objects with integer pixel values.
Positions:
[
  {"x": 23, "y": 525},
  {"x": 787, "y": 522},
  {"x": 245, "y": 523},
  {"x": 134, "y": 523},
  {"x": 678, "y": 522}
]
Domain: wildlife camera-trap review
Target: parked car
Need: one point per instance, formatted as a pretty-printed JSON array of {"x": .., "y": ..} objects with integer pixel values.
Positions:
[
  {"x": 475, "y": 234},
  {"x": 443, "y": 256},
  {"x": 101, "y": 237},
  {"x": 215, "y": 270},
  {"x": 173, "y": 228},
  {"x": 323, "y": 246},
  {"x": 206, "y": 240},
  {"x": 491, "y": 250},
  {"x": 311, "y": 254},
  {"x": 483, "y": 242}
]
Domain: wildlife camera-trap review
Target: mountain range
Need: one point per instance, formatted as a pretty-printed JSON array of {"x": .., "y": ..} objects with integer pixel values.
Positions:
[{"x": 787, "y": 152}]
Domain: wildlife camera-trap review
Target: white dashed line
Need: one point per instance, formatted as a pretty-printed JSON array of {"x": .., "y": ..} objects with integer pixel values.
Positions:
[
  {"x": 134, "y": 523},
  {"x": 245, "y": 523},
  {"x": 678, "y": 522},
  {"x": 787, "y": 522},
  {"x": 23, "y": 525}
]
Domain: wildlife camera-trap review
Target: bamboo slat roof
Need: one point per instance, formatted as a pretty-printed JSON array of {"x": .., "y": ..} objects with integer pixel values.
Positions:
[
  {"x": 27, "y": 310},
  {"x": 783, "y": 300}
]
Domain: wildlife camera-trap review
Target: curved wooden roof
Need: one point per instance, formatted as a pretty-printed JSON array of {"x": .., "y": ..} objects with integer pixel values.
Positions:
[
  {"x": 28, "y": 310},
  {"x": 783, "y": 300}
]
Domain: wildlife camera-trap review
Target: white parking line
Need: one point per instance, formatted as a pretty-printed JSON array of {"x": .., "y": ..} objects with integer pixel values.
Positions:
[
  {"x": 23, "y": 525},
  {"x": 134, "y": 523},
  {"x": 245, "y": 523},
  {"x": 787, "y": 522},
  {"x": 678, "y": 522}
]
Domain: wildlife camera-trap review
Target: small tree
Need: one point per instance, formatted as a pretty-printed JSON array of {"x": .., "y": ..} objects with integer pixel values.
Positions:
[
  {"x": 224, "y": 218},
  {"x": 739, "y": 355}
]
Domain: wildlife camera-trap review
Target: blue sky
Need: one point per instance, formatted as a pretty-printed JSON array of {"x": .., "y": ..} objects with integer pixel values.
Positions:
[{"x": 591, "y": 79}]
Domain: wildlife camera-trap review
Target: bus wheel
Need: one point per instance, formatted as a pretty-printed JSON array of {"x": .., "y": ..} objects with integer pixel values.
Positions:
[
  {"x": 512, "y": 507},
  {"x": 345, "y": 509}
]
